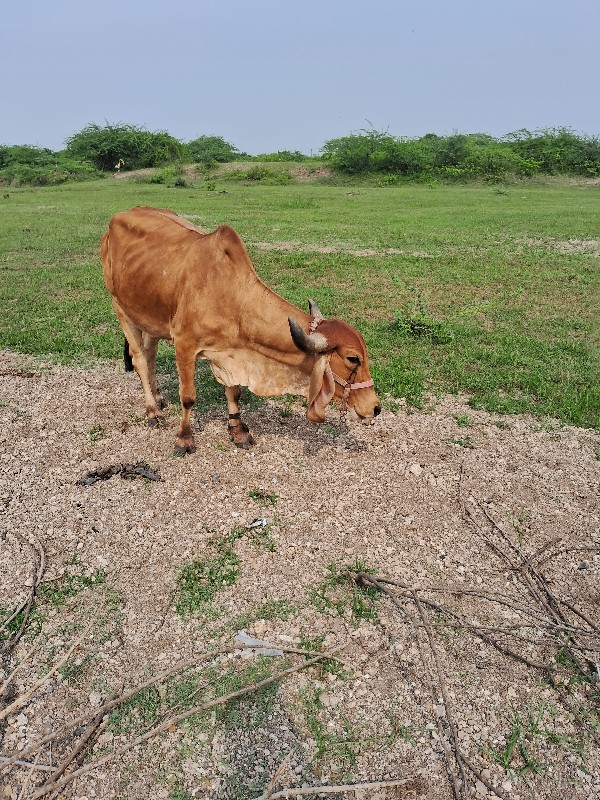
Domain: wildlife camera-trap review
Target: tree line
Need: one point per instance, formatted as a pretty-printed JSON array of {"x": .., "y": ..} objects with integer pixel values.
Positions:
[{"x": 97, "y": 150}]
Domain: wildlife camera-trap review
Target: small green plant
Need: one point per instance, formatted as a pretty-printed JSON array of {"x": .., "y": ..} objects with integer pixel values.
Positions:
[
  {"x": 71, "y": 583},
  {"x": 461, "y": 441},
  {"x": 342, "y": 748},
  {"x": 137, "y": 713},
  {"x": 96, "y": 433},
  {"x": 463, "y": 420},
  {"x": 262, "y": 496},
  {"x": 340, "y": 593},
  {"x": 419, "y": 324},
  {"x": 199, "y": 581},
  {"x": 210, "y": 186},
  {"x": 397, "y": 731}
]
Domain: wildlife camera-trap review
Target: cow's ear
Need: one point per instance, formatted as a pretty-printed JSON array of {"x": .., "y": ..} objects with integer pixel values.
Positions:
[{"x": 321, "y": 390}]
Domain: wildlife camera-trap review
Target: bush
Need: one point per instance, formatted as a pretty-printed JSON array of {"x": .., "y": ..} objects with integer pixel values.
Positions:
[
  {"x": 136, "y": 147},
  {"x": 211, "y": 150},
  {"x": 36, "y": 166},
  {"x": 465, "y": 156},
  {"x": 258, "y": 173}
]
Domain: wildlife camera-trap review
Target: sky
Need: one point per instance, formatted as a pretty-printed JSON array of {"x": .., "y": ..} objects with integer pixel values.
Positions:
[{"x": 270, "y": 75}]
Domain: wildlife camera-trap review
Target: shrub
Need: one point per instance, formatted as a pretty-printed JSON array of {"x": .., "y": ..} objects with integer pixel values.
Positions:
[
  {"x": 35, "y": 166},
  {"x": 211, "y": 150},
  {"x": 137, "y": 147}
]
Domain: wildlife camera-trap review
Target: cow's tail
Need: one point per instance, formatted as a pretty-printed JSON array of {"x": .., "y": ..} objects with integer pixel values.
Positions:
[{"x": 127, "y": 357}]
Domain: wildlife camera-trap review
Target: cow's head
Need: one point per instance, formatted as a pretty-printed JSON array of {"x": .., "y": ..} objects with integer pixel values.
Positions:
[{"x": 341, "y": 367}]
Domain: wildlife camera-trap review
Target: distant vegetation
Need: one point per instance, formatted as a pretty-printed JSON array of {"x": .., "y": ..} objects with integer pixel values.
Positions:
[{"x": 367, "y": 155}]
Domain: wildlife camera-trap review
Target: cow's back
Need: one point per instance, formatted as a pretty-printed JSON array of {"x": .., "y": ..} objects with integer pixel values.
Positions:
[{"x": 155, "y": 262}]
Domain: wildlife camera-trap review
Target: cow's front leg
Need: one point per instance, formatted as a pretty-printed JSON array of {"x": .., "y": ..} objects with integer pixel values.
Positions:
[
  {"x": 239, "y": 433},
  {"x": 186, "y": 367}
]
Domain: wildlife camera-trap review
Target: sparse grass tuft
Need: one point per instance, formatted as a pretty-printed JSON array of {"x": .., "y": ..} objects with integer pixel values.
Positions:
[{"x": 339, "y": 593}]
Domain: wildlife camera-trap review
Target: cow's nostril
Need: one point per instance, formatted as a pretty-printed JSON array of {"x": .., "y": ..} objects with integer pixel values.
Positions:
[{"x": 376, "y": 411}]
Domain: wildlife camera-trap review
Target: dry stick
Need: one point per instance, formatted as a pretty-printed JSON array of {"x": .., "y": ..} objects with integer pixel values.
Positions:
[
  {"x": 454, "y": 782},
  {"x": 176, "y": 719},
  {"x": 22, "y": 699},
  {"x": 33, "y": 765},
  {"x": 21, "y": 664},
  {"x": 26, "y": 605},
  {"x": 96, "y": 725},
  {"x": 109, "y": 705},
  {"x": 28, "y": 777},
  {"x": 408, "y": 783},
  {"x": 269, "y": 790},
  {"x": 459, "y": 755}
]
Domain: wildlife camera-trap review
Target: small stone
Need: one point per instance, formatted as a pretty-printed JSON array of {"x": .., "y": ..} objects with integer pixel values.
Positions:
[
  {"x": 95, "y": 698},
  {"x": 415, "y": 469}
]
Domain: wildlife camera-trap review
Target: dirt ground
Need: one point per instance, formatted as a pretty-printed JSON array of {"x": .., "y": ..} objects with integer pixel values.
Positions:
[{"x": 489, "y": 524}]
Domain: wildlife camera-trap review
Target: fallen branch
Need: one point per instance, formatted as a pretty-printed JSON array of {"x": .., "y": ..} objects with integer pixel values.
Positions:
[
  {"x": 171, "y": 721},
  {"x": 22, "y": 699},
  {"x": 9, "y": 761},
  {"x": 409, "y": 784}
]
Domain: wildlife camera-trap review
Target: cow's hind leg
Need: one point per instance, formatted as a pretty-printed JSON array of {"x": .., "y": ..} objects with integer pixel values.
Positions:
[
  {"x": 186, "y": 367},
  {"x": 150, "y": 347},
  {"x": 144, "y": 369},
  {"x": 239, "y": 433}
]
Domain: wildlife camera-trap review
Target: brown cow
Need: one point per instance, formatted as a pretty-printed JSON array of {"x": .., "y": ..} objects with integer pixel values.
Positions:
[{"x": 170, "y": 280}]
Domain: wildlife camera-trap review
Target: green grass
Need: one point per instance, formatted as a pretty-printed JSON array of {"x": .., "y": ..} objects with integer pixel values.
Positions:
[{"x": 479, "y": 299}]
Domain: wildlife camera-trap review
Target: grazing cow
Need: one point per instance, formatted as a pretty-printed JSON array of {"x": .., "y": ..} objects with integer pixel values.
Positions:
[{"x": 170, "y": 280}]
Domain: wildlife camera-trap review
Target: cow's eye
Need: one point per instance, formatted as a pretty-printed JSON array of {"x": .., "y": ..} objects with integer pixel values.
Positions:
[{"x": 354, "y": 360}]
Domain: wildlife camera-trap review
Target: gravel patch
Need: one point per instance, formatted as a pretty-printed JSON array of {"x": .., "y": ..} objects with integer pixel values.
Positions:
[{"x": 390, "y": 496}]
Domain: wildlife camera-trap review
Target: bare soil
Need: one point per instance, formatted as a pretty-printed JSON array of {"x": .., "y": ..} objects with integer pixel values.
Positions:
[{"x": 429, "y": 498}]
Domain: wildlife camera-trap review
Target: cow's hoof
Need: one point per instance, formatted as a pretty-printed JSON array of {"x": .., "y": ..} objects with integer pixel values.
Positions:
[
  {"x": 244, "y": 443},
  {"x": 184, "y": 451},
  {"x": 157, "y": 422}
]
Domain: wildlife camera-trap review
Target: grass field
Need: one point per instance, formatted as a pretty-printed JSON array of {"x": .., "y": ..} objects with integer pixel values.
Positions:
[{"x": 490, "y": 292}]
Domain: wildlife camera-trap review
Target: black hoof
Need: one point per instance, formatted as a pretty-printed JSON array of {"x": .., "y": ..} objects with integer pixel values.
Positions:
[
  {"x": 157, "y": 422},
  {"x": 184, "y": 451},
  {"x": 245, "y": 445}
]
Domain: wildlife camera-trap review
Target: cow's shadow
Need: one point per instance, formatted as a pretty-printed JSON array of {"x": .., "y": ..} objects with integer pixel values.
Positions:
[{"x": 279, "y": 416}]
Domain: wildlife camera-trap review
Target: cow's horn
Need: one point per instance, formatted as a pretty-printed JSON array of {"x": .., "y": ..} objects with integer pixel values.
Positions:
[
  {"x": 313, "y": 309},
  {"x": 308, "y": 343}
]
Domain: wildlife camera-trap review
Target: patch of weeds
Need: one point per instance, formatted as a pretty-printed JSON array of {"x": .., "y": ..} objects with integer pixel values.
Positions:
[
  {"x": 70, "y": 584},
  {"x": 222, "y": 447},
  {"x": 500, "y": 423},
  {"x": 519, "y": 755},
  {"x": 332, "y": 430},
  {"x": 73, "y": 670},
  {"x": 340, "y": 593},
  {"x": 463, "y": 420},
  {"x": 269, "y": 610},
  {"x": 547, "y": 426},
  {"x": 96, "y": 433},
  {"x": 397, "y": 731},
  {"x": 331, "y": 666},
  {"x": 461, "y": 441},
  {"x": 286, "y": 405},
  {"x": 200, "y": 580},
  {"x": 236, "y": 678},
  {"x": 136, "y": 713},
  {"x": 263, "y": 497},
  {"x": 417, "y": 323},
  {"x": 342, "y": 748}
]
